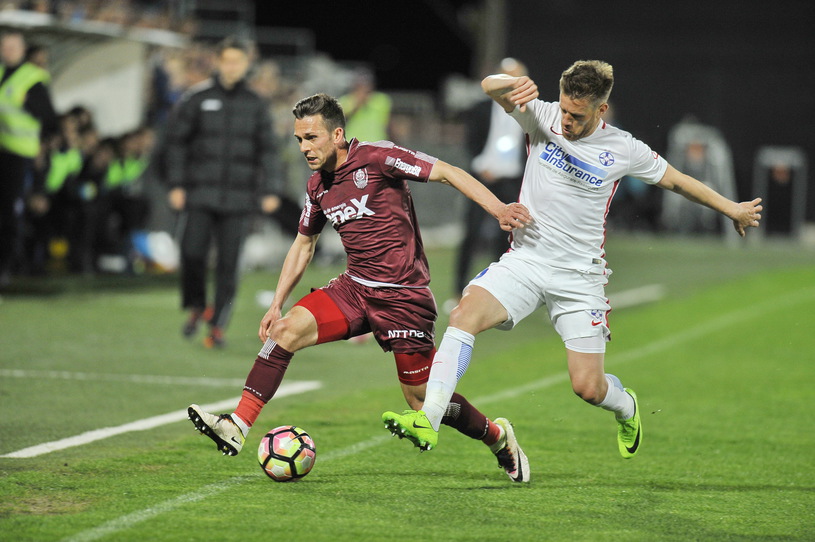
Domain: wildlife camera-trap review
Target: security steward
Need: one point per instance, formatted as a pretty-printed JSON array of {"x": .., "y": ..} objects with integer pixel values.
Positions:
[{"x": 26, "y": 112}]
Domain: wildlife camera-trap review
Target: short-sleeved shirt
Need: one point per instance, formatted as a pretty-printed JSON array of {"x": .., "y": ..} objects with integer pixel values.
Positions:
[
  {"x": 568, "y": 187},
  {"x": 368, "y": 202}
]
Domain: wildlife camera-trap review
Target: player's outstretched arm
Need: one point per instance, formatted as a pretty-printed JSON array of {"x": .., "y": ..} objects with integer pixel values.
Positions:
[
  {"x": 509, "y": 216},
  {"x": 746, "y": 214},
  {"x": 509, "y": 91},
  {"x": 295, "y": 264}
]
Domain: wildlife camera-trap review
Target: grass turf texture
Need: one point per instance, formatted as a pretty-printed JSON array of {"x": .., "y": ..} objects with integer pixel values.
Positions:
[{"x": 723, "y": 368}]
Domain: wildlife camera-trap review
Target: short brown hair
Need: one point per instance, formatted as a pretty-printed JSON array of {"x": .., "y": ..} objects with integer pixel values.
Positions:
[
  {"x": 592, "y": 79},
  {"x": 321, "y": 104}
]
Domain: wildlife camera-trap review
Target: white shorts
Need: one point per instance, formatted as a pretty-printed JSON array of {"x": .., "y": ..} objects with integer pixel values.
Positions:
[{"x": 575, "y": 300}]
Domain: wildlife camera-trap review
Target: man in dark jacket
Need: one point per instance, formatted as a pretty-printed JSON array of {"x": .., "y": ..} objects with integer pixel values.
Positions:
[{"x": 220, "y": 166}]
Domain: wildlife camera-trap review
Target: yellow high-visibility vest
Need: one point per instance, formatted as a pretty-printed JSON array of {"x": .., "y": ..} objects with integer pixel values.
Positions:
[{"x": 19, "y": 130}]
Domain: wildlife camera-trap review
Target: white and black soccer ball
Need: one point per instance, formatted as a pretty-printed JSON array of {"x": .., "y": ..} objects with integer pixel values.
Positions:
[{"x": 286, "y": 453}]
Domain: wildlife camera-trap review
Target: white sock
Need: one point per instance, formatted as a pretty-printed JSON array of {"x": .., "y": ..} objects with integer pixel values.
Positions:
[
  {"x": 617, "y": 399},
  {"x": 240, "y": 423},
  {"x": 449, "y": 365}
]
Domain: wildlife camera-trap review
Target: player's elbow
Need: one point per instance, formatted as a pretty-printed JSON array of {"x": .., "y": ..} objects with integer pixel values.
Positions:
[{"x": 442, "y": 172}]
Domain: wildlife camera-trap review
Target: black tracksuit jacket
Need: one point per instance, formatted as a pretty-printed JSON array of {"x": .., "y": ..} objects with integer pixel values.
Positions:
[{"x": 220, "y": 148}]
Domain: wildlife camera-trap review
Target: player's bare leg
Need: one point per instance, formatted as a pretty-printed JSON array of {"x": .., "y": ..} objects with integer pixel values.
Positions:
[{"x": 593, "y": 385}]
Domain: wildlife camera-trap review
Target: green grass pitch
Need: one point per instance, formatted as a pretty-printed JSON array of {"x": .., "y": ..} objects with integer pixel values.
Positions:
[{"x": 724, "y": 366}]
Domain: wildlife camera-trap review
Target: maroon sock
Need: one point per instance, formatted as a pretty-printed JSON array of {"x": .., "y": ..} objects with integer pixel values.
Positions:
[
  {"x": 465, "y": 418},
  {"x": 267, "y": 373}
]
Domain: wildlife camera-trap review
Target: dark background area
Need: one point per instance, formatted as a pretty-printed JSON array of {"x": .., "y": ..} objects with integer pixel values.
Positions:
[
  {"x": 412, "y": 45},
  {"x": 747, "y": 68}
]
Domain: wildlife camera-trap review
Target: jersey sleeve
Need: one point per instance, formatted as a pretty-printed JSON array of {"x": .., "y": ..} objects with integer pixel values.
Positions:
[
  {"x": 538, "y": 114},
  {"x": 400, "y": 163},
  {"x": 646, "y": 164},
  {"x": 312, "y": 218}
]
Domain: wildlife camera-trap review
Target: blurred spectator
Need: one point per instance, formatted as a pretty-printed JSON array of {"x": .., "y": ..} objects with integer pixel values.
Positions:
[
  {"x": 367, "y": 111},
  {"x": 38, "y": 6},
  {"x": 498, "y": 146},
  {"x": 26, "y": 112},
  {"x": 165, "y": 89},
  {"x": 266, "y": 82},
  {"x": 83, "y": 116},
  {"x": 85, "y": 219},
  {"x": 779, "y": 192},
  {"x": 37, "y": 55},
  {"x": 172, "y": 73},
  {"x": 123, "y": 207},
  {"x": 220, "y": 163},
  {"x": 702, "y": 152},
  {"x": 62, "y": 206},
  {"x": 50, "y": 203},
  {"x": 780, "y": 173}
]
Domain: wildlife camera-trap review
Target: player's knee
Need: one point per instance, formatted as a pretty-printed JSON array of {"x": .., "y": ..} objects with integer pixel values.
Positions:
[
  {"x": 288, "y": 334},
  {"x": 464, "y": 319},
  {"x": 588, "y": 390}
]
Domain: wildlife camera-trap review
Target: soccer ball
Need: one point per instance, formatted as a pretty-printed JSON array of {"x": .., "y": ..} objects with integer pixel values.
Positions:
[{"x": 286, "y": 453}]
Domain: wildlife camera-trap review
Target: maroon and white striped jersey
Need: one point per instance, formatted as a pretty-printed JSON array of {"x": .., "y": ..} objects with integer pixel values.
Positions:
[{"x": 368, "y": 202}]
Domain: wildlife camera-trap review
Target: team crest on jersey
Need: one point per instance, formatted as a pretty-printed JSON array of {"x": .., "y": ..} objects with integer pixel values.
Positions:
[
  {"x": 361, "y": 178},
  {"x": 606, "y": 158}
]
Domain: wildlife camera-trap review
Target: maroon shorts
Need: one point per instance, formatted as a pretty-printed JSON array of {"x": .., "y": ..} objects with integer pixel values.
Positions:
[{"x": 401, "y": 319}]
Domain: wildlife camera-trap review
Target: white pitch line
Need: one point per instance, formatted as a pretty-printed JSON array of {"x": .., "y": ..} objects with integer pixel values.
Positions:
[
  {"x": 128, "y": 378},
  {"x": 125, "y": 522},
  {"x": 637, "y": 296},
  {"x": 292, "y": 388},
  {"x": 621, "y": 300},
  {"x": 692, "y": 333}
]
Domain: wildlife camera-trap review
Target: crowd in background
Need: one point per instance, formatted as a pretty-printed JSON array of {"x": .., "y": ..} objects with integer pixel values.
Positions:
[
  {"x": 156, "y": 14},
  {"x": 86, "y": 198}
]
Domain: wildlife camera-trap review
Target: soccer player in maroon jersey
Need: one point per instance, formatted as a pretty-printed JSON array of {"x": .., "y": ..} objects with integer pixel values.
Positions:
[{"x": 361, "y": 188}]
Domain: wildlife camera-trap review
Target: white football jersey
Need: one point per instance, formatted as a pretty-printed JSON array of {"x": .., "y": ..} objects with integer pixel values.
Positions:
[{"x": 568, "y": 186}]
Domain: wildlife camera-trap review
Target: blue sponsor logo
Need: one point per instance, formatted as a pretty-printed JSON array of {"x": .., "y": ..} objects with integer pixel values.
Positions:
[{"x": 554, "y": 155}]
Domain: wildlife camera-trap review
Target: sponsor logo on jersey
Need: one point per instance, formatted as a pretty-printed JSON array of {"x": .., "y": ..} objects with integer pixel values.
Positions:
[
  {"x": 572, "y": 168},
  {"x": 353, "y": 210},
  {"x": 404, "y": 333},
  {"x": 410, "y": 169},
  {"x": 306, "y": 212},
  {"x": 361, "y": 178}
]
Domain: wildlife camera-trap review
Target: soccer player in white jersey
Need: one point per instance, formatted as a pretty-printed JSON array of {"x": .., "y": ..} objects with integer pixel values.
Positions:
[{"x": 574, "y": 165}]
